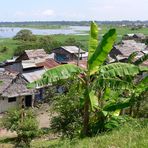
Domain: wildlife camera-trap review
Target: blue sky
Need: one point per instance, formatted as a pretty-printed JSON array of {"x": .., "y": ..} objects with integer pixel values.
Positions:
[{"x": 73, "y": 10}]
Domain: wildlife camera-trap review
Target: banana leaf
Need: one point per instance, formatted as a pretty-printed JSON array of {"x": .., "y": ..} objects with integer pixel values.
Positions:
[{"x": 100, "y": 54}]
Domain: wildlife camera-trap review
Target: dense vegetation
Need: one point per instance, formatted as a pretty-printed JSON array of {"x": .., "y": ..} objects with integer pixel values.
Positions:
[
  {"x": 24, "y": 123},
  {"x": 133, "y": 134},
  {"x": 101, "y": 101},
  {"x": 105, "y": 90}
]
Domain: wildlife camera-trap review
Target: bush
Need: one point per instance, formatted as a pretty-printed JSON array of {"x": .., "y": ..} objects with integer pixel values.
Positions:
[
  {"x": 4, "y": 49},
  {"x": 48, "y": 43},
  {"x": 24, "y": 123},
  {"x": 73, "y": 42},
  {"x": 68, "y": 121}
]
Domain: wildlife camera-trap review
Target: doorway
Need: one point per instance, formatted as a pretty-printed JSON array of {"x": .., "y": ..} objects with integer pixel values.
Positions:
[{"x": 28, "y": 101}]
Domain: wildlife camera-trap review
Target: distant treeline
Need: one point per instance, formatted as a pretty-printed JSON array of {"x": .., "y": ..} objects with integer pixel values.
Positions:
[{"x": 71, "y": 23}]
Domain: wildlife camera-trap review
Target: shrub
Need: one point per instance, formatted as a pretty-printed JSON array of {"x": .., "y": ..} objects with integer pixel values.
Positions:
[
  {"x": 4, "y": 49},
  {"x": 24, "y": 123},
  {"x": 68, "y": 121}
]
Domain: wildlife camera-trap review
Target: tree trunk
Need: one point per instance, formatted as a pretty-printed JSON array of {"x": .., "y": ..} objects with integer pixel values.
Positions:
[
  {"x": 131, "y": 111},
  {"x": 85, "y": 131},
  {"x": 137, "y": 108}
]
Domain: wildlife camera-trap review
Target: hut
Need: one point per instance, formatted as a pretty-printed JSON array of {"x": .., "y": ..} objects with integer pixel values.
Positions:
[
  {"x": 64, "y": 54},
  {"x": 14, "y": 92}
]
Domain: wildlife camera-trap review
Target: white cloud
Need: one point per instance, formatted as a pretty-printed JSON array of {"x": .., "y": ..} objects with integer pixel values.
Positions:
[{"x": 48, "y": 12}]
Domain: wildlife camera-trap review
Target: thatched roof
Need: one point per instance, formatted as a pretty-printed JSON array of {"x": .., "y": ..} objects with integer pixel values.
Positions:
[
  {"x": 129, "y": 46},
  {"x": 13, "y": 85},
  {"x": 6, "y": 79}
]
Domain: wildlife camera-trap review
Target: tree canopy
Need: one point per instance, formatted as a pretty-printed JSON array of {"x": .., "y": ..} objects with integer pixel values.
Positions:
[{"x": 24, "y": 35}]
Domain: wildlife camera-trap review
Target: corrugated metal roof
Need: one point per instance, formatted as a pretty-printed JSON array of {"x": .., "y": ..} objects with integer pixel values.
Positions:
[
  {"x": 28, "y": 64},
  {"x": 48, "y": 63},
  {"x": 85, "y": 55},
  {"x": 33, "y": 75},
  {"x": 129, "y": 46},
  {"x": 51, "y": 56},
  {"x": 36, "y": 53},
  {"x": 82, "y": 63},
  {"x": 73, "y": 49}
]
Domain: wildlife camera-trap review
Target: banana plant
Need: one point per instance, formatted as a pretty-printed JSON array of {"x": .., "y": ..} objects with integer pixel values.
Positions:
[{"x": 97, "y": 77}]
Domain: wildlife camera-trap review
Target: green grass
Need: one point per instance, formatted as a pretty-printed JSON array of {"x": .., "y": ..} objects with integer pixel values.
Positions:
[
  {"x": 11, "y": 45},
  {"x": 131, "y": 135}
]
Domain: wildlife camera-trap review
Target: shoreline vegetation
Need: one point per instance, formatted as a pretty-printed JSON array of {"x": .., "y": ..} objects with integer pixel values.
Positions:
[{"x": 36, "y": 26}]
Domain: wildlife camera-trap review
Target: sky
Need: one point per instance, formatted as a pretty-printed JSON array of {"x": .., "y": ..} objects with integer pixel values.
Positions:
[{"x": 73, "y": 10}]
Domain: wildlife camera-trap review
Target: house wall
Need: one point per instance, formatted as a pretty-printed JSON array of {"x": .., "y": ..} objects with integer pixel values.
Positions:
[
  {"x": 5, "y": 105},
  {"x": 20, "y": 102},
  {"x": 22, "y": 57},
  {"x": 62, "y": 55}
]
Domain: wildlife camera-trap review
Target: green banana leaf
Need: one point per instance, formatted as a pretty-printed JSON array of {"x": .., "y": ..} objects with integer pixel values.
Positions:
[
  {"x": 93, "y": 100},
  {"x": 93, "y": 40},
  {"x": 100, "y": 54},
  {"x": 141, "y": 60},
  {"x": 116, "y": 106},
  {"x": 119, "y": 70},
  {"x": 55, "y": 74}
]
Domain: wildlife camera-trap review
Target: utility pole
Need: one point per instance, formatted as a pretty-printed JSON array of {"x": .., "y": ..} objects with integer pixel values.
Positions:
[{"x": 78, "y": 56}]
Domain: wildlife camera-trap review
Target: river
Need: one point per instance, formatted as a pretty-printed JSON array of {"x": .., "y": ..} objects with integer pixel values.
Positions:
[{"x": 9, "y": 32}]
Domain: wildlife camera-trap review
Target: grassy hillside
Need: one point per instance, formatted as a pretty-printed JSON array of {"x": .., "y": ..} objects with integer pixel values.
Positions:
[
  {"x": 131, "y": 135},
  {"x": 11, "y": 45}
]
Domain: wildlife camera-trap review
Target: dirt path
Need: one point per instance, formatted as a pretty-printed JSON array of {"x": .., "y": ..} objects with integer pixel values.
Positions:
[
  {"x": 43, "y": 116},
  {"x": 4, "y": 132}
]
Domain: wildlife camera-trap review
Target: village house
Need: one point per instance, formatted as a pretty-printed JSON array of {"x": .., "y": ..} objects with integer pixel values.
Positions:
[
  {"x": 64, "y": 54},
  {"x": 34, "y": 54},
  {"x": 14, "y": 91},
  {"x": 139, "y": 37},
  {"x": 16, "y": 74},
  {"x": 122, "y": 51}
]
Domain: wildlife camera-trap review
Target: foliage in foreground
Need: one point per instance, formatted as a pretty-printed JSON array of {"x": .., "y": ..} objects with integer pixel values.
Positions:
[
  {"x": 133, "y": 134},
  {"x": 68, "y": 121},
  {"x": 102, "y": 85},
  {"x": 24, "y": 123}
]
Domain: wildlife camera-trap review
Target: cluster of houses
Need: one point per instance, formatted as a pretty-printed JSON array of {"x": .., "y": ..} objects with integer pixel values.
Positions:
[{"x": 15, "y": 74}]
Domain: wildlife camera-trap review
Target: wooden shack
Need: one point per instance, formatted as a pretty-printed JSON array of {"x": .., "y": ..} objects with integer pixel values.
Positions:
[{"x": 64, "y": 54}]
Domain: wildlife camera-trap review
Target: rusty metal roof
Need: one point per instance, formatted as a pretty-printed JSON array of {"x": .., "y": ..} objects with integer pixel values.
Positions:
[
  {"x": 48, "y": 63},
  {"x": 36, "y": 53},
  {"x": 82, "y": 63}
]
